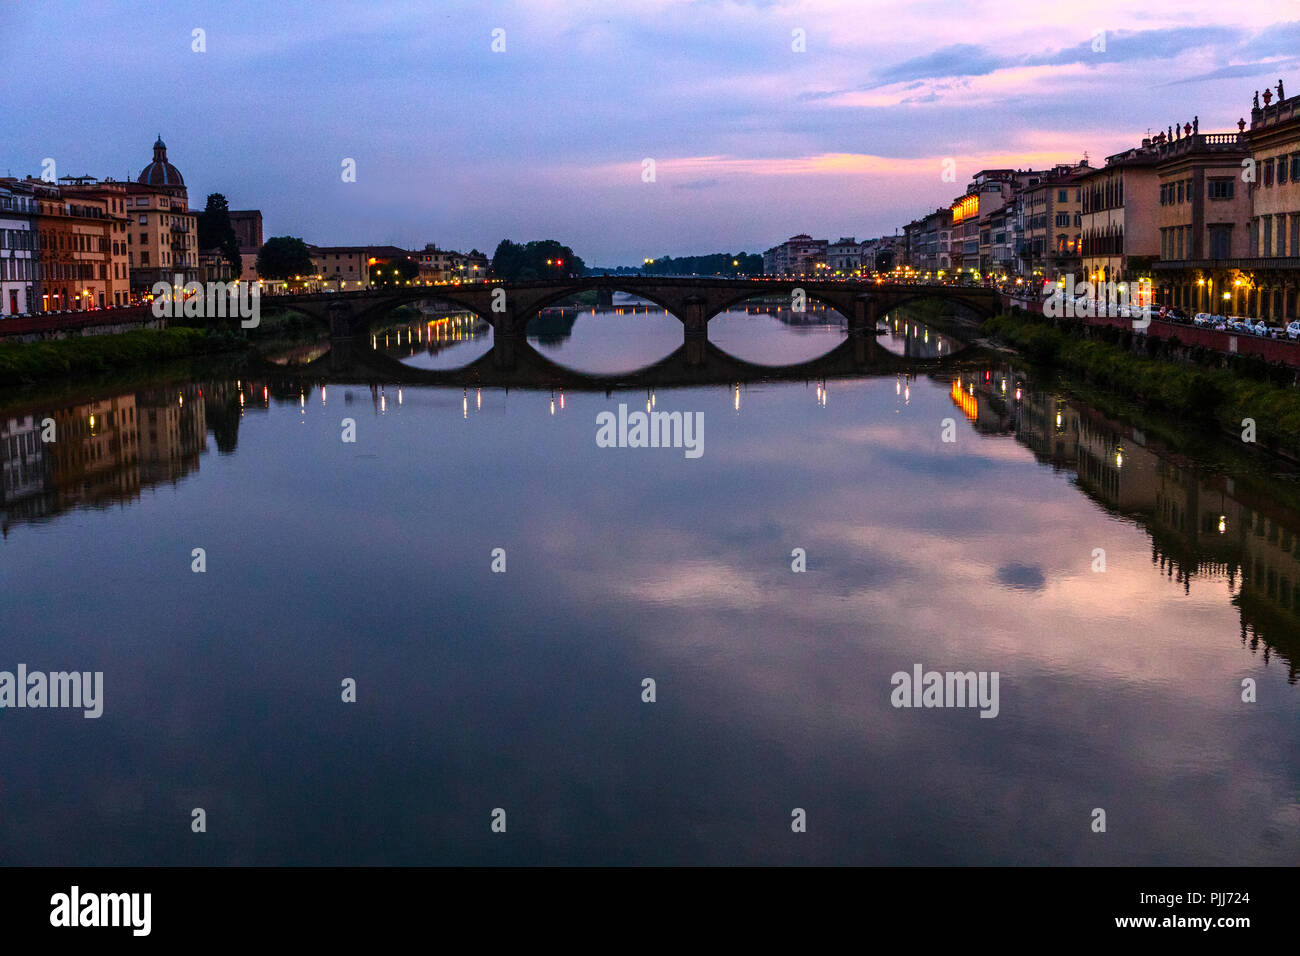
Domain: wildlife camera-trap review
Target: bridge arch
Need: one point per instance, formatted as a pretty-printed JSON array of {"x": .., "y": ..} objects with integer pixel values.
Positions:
[
  {"x": 976, "y": 304},
  {"x": 387, "y": 304},
  {"x": 545, "y": 302},
  {"x": 841, "y": 303},
  {"x": 605, "y": 345}
]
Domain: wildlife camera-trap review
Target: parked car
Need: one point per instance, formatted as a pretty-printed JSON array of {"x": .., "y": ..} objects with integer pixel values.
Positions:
[
  {"x": 1203, "y": 319},
  {"x": 1293, "y": 330},
  {"x": 1264, "y": 330}
]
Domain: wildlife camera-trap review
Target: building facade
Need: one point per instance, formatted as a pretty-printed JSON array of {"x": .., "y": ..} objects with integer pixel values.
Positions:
[
  {"x": 342, "y": 267},
  {"x": 19, "y": 250},
  {"x": 1204, "y": 214},
  {"x": 162, "y": 232},
  {"x": 247, "y": 224},
  {"x": 972, "y": 218},
  {"x": 1274, "y": 230},
  {"x": 929, "y": 242},
  {"x": 75, "y": 257},
  {"x": 1119, "y": 229},
  {"x": 1232, "y": 234},
  {"x": 1050, "y": 223},
  {"x": 799, "y": 255},
  {"x": 844, "y": 257},
  {"x": 112, "y": 196}
]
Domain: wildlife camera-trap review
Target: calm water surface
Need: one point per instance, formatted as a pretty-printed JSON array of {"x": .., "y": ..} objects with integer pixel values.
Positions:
[{"x": 476, "y": 690}]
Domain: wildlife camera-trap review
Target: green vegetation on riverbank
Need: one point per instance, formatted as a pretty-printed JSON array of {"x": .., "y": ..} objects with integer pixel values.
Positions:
[
  {"x": 1223, "y": 396},
  {"x": 23, "y": 363}
]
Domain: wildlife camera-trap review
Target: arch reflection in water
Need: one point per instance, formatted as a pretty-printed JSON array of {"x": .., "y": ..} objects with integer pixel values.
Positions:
[
  {"x": 631, "y": 334},
  {"x": 771, "y": 333},
  {"x": 906, "y": 336},
  {"x": 441, "y": 341}
]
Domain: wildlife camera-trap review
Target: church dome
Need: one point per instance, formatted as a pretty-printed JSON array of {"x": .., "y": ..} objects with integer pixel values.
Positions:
[{"x": 160, "y": 172}]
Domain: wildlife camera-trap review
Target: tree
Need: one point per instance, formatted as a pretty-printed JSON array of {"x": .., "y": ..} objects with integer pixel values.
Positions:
[
  {"x": 717, "y": 263},
  {"x": 283, "y": 257},
  {"x": 216, "y": 232},
  {"x": 544, "y": 259}
]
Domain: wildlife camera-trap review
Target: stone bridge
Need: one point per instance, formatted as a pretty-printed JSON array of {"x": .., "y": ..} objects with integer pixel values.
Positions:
[{"x": 508, "y": 306}]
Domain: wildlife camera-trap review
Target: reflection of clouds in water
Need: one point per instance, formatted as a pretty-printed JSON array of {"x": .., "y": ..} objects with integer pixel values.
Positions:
[
  {"x": 1021, "y": 577},
  {"x": 1117, "y": 690}
]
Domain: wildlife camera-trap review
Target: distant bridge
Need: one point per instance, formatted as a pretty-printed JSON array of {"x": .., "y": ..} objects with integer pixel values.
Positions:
[{"x": 508, "y": 306}]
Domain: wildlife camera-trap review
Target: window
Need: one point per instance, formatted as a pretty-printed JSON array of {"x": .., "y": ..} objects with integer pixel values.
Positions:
[
  {"x": 1295, "y": 167},
  {"x": 1267, "y": 249},
  {"x": 144, "y": 220},
  {"x": 1061, "y": 194},
  {"x": 1281, "y": 170},
  {"x": 1221, "y": 188},
  {"x": 1220, "y": 242},
  {"x": 1180, "y": 190},
  {"x": 1268, "y": 172}
]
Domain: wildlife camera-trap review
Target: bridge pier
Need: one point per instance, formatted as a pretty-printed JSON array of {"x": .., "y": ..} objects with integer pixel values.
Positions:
[
  {"x": 342, "y": 320},
  {"x": 862, "y": 329},
  {"x": 503, "y": 351},
  {"x": 695, "y": 320}
]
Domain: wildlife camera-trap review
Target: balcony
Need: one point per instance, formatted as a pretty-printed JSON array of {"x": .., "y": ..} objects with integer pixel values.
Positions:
[
  {"x": 1202, "y": 143},
  {"x": 1275, "y": 113}
]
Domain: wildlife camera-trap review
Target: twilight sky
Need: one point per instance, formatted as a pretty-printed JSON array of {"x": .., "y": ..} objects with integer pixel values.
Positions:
[{"x": 752, "y": 141}]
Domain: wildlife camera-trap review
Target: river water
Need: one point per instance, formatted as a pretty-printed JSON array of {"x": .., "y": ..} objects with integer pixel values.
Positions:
[{"x": 520, "y": 696}]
